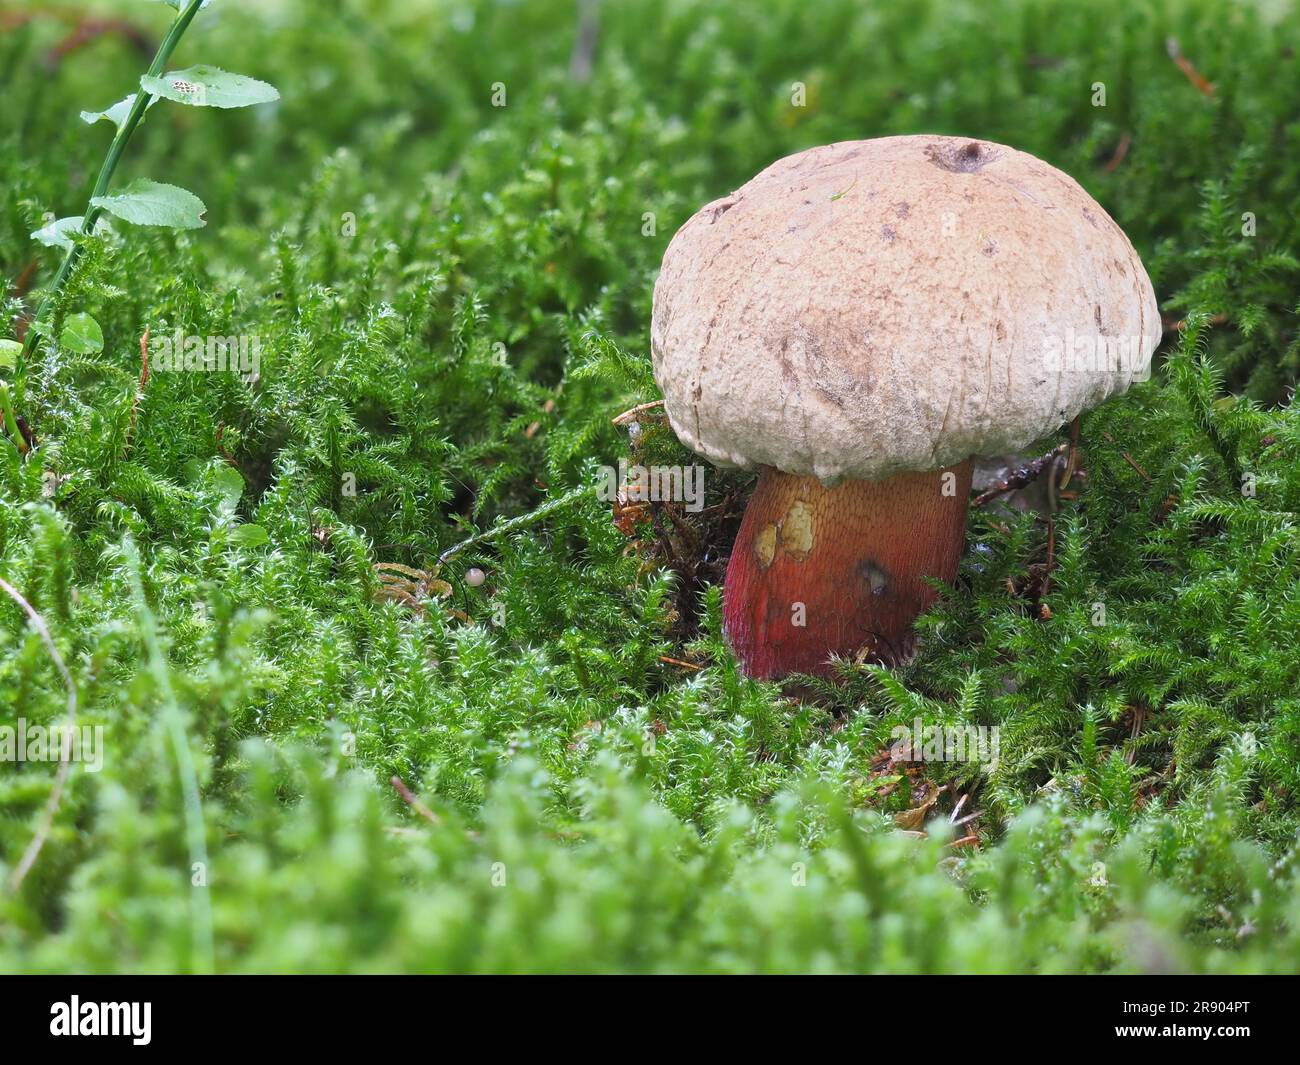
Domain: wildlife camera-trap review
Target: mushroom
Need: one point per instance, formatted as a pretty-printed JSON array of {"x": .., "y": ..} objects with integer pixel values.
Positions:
[{"x": 858, "y": 321}]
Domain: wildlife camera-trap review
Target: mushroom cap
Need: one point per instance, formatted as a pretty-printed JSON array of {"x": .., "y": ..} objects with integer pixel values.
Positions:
[{"x": 869, "y": 307}]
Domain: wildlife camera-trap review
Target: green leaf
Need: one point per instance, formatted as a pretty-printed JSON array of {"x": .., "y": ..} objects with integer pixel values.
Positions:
[
  {"x": 204, "y": 86},
  {"x": 248, "y": 536},
  {"x": 61, "y": 233},
  {"x": 81, "y": 333},
  {"x": 58, "y": 234},
  {"x": 9, "y": 352},
  {"x": 152, "y": 203},
  {"x": 229, "y": 484},
  {"x": 115, "y": 114}
]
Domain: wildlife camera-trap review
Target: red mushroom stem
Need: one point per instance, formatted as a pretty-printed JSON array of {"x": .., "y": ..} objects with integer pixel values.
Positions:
[{"x": 817, "y": 571}]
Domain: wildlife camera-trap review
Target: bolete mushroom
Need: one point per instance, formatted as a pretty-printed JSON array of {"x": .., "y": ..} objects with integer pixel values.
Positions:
[{"x": 860, "y": 320}]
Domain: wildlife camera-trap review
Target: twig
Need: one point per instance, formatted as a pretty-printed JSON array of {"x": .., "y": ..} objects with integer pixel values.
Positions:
[
  {"x": 1023, "y": 476},
  {"x": 679, "y": 662},
  {"x": 511, "y": 524},
  {"x": 21, "y": 285},
  {"x": 65, "y": 764},
  {"x": 88, "y": 30},
  {"x": 1185, "y": 65},
  {"x": 633, "y": 414},
  {"x": 952, "y": 818},
  {"x": 1121, "y": 150},
  {"x": 1073, "y": 464},
  {"x": 1139, "y": 717},
  {"x": 1177, "y": 325},
  {"x": 547, "y": 408},
  {"x": 409, "y": 797},
  {"x": 1128, "y": 458},
  {"x": 219, "y": 440}
]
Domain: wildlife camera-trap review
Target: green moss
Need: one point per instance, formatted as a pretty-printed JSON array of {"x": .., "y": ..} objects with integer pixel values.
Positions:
[{"x": 456, "y": 360}]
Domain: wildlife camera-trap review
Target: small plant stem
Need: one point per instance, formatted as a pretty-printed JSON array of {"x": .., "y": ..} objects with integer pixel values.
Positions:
[
  {"x": 637, "y": 411},
  {"x": 1021, "y": 477},
  {"x": 413, "y": 801},
  {"x": 549, "y": 507},
  {"x": 106, "y": 171}
]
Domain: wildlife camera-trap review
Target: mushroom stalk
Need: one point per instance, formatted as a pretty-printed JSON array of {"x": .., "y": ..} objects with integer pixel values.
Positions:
[{"x": 819, "y": 571}]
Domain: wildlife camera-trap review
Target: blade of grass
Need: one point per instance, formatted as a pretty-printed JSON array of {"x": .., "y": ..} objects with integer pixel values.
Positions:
[
  {"x": 33, "y": 850},
  {"x": 195, "y": 831}
]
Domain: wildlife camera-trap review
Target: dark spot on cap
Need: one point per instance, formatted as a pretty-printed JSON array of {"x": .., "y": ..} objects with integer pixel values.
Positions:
[
  {"x": 965, "y": 158},
  {"x": 990, "y": 248},
  {"x": 720, "y": 207},
  {"x": 888, "y": 233},
  {"x": 902, "y": 209},
  {"x": 875, "y": 577}
]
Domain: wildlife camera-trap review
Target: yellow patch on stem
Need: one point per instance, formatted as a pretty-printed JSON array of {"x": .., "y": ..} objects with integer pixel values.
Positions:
[{"x": 797, "y": 531}]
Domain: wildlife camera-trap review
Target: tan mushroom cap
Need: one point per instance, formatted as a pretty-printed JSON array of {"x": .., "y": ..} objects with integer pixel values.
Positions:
[{"x": 869, "y": 307}]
